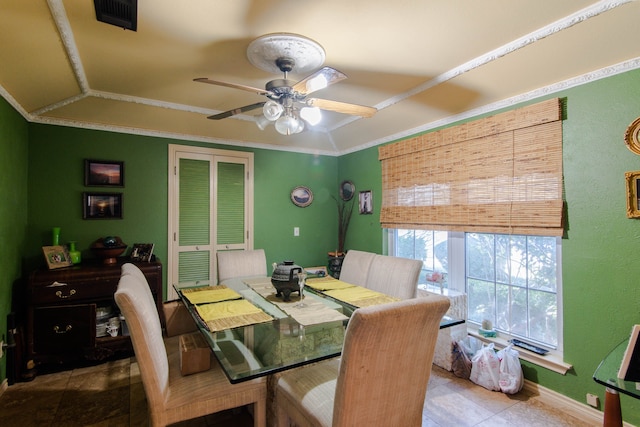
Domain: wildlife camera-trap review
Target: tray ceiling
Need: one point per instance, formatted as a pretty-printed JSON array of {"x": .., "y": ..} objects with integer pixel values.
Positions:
[{"x": 422, "y": 64}]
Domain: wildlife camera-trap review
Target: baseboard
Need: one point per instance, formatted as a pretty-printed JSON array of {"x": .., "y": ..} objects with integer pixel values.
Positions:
[{"x": 582, "y": 411}]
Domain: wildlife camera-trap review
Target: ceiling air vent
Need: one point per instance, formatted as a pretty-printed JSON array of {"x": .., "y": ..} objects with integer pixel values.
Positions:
[{"x": 121, "y": 13}]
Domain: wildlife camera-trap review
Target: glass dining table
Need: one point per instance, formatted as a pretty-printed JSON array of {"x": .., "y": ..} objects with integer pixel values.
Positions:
[
  {"x": 290, "y": 335},
  {"x": 607, "y": 375}
]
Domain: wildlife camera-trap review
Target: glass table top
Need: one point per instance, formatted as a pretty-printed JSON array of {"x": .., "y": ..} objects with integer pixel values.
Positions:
[
  {"x": 283, "y": 343},
  {"x": 607, "y": 373}
]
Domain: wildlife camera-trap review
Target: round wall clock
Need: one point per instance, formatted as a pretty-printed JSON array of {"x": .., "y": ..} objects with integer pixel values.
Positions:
[
  {"x": 301, "y": 196},
  {"x": 347, "y": 190},
  {"x": 632, "y": 136}
]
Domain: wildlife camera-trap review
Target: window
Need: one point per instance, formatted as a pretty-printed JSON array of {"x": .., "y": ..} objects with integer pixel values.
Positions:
[
  {"x": 490, "y": 187},
  {"x": 429, "y": 246},
  {"x": 511, "y": 280}
]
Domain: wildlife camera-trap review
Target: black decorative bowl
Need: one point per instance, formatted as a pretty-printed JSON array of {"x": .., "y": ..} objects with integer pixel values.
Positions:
[{"x": 108, "y": 249}]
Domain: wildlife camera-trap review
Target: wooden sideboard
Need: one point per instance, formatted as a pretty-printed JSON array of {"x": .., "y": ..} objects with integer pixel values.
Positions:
[{"x": 62, "y": 306}]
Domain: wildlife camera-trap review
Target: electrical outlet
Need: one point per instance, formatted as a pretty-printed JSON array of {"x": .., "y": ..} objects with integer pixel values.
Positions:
[
  {"x": 593, "y": 400},
  {"x": 296, "y": 231}
]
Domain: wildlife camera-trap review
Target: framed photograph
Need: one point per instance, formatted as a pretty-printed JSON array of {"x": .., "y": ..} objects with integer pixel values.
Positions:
[
  {"x": 142, "y": 252},
  {"x": 347, "y": 190},
  {"x": 366, "y": 202},
  {"x": 102, "y": 205},
  {"x": 633, "y": 192},
  {"x": 103, "y": 173},
  {"x": 301, "y": 196},
  {"x": 56, "y": 256}
]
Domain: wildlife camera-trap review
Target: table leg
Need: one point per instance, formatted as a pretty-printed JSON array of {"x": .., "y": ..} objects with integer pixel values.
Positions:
[{"x": 612, "y": 411}]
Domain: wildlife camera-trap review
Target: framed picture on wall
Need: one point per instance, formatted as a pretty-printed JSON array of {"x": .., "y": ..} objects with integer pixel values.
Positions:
[
  {"x": 633, "y": 192},
  {"x": 347, "y": 190},
  {"x": 102, "y": 205},
  {"x": 103, "y": 173},
  {"x": 366, "y": 202},
  {"x": 301, "y": 196}
]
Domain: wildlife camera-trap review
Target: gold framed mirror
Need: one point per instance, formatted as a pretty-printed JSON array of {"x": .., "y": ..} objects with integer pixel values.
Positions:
[{"x": 632, "y": 136}]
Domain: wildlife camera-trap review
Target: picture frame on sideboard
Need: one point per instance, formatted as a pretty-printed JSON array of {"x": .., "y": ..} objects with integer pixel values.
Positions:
[
  {"x": 56, "y": 256},
  {"x": 142, "y": 252}
]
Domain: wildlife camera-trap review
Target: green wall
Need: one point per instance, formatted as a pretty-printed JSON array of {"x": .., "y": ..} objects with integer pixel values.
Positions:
[
  {"x": 601, "y": 294},
  {"x": 363, "y": 169},
  {"x": 56, "y": 184},
  {"x": 601, "y": 299},
  {"x": 14, "y": 145},
  {"x": 276, "y": 174}
]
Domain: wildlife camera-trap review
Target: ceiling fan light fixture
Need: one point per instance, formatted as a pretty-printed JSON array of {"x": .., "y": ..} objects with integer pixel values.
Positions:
[
  {"x": 311, "y": 115},
  {"x": 266, "y": 50},
  {"x": 288, "y": 106},
  {"x": 288, "y": 125},
  {"x": 317, "y": 83},
  {"x": 262, "y": 122},
  {"x": 272, "y": 110}
]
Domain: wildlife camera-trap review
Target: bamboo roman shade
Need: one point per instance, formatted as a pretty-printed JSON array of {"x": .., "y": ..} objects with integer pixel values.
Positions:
[{"x": 500, "y": 174}]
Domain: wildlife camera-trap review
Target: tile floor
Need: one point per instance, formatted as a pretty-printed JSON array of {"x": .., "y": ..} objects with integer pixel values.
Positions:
[{"x": 111, "y": 394}]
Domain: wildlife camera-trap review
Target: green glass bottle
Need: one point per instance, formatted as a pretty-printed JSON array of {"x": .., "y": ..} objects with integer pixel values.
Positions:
[{"x": 74, "y": 254}]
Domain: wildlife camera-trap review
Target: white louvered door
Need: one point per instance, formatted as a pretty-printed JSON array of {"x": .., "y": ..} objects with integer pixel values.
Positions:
[{"x": 210, "y": 209}]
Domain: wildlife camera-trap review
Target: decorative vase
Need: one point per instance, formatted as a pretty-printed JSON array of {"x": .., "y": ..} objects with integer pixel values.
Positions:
[
  {"x": 74, "y": 254},
  {"x": 335, "y": 263},
  {"x": 55, "y": 236},
  {"x": 285, "y": 279}
]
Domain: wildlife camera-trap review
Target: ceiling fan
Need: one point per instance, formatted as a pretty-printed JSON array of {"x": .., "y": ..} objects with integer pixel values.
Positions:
[{"x": 287, "y": 100}]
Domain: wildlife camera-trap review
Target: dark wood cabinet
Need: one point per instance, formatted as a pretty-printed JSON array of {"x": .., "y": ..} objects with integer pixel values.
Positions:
[{"x": 64, "y": 306}]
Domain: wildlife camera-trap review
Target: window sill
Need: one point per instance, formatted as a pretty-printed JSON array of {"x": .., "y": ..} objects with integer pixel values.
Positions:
[{"x": 549, "y": 361}]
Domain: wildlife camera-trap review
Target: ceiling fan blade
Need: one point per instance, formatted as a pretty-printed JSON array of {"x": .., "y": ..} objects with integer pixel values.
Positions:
[
  {"x": 236, "y": 111},
  {"x": 319, "y": 80},
  {"x": 342, "y": 107},
  {"x": 232, "y": 85}
]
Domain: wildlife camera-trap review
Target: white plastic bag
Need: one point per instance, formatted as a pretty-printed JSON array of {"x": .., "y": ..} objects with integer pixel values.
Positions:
[
  {"x": 470, "y": 345},
  {"x": 511, "y": 376},
  {"x": 485, "y": 369}
]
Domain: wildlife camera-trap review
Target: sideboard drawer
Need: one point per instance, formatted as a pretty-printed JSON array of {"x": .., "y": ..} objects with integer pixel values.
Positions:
[
  {"x": 63, "y": 329},
  {"x": 71, "y": 292}
]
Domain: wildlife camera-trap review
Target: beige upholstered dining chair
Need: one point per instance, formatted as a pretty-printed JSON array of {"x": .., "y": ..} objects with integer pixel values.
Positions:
[
  {"x": 380, "y": 380},
  {"x": 394, "y": 276},
  {"x": 172, "y": 397},
  {"x": 355, "y": 267},
  {"x": 241, "y": 263},
  {"x": 132, "y": 270}
]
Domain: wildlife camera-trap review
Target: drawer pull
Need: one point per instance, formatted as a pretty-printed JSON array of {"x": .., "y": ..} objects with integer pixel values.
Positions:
[
  {"x": 59, "y": 294},
  {"x": 57, "y": 329}
]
